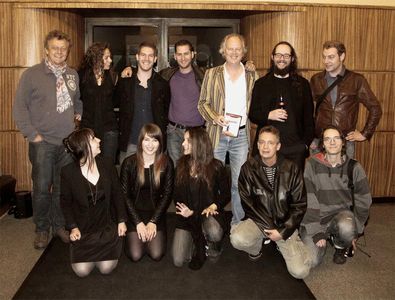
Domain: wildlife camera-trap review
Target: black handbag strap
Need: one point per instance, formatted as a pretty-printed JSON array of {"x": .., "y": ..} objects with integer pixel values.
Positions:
[
  {"x": 321, "y": 97},
  {"x": 350, "y": 171}
]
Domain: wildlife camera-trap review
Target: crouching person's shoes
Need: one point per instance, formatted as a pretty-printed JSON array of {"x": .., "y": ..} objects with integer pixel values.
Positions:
[
  {"x": 63, "y": 234},
  {"x": 255, "y": 257},
  {"x": 41, "y": 240},
  {"x": 340, "y": 256}
]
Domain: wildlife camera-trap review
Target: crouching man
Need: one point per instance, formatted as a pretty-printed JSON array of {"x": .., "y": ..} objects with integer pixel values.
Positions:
[
  {"x": 338, "y": 199},
  {"x": 274, "y": 200}
]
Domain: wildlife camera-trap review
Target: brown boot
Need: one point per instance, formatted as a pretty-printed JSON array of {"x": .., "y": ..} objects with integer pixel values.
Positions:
[{"x": 41, "y": 240}]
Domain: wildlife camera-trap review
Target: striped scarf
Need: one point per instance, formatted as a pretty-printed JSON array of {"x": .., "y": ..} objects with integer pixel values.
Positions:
[{"x": 63, "y": 99}]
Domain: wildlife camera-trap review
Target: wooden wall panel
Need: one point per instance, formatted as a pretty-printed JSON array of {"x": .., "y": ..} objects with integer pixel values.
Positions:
[
  {"x": 365, "y": 32},
  {"x": 9, "y": 78},
  {"x": 378, "y": 159},
  {"x": 6, "y": 40},
  {"x": 31, "y": 27},
  {"x": 14, "y": 159}
]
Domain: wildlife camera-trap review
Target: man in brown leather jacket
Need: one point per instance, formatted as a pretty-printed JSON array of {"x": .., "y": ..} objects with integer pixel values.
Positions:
[
  {"x": 340, "y": 106},
  {"x": 274, "y": 199}
]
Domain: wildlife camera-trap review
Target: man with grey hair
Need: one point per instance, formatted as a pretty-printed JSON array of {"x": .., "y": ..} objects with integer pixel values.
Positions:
[
  {"x": 337, "y": 93},
  {"x": 46, "y": 103},
  {"x": 224, "y": 103}
]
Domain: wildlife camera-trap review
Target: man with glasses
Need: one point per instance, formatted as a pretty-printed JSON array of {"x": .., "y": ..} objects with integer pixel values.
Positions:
[
  {"x": 46, "y": 103},
  {"x": 282, "y": 98},
  {"x": 224, "y": 103},
  {"x": 338, "y": 199},
  {"x": 274, "y": 200},
  {"x": 337, "y": 93}
]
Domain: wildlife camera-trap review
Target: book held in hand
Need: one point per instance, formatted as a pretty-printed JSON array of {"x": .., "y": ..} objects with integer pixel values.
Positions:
[{"x": 233, "y": 124}]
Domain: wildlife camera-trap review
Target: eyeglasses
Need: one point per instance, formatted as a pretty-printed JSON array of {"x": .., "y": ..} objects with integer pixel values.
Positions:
[
  {"x": 332, "y": 139},
  {"x": 280, "y": 55}
]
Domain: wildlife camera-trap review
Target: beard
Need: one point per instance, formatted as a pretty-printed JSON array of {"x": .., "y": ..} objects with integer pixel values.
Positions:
[{"x": 281, "y": 72}]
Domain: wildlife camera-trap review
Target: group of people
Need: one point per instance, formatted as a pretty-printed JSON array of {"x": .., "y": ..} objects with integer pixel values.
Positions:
[{"x": 174, "y": 131}]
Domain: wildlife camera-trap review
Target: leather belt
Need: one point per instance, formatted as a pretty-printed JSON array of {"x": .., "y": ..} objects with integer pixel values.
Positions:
[
  {"x": 242, "y": 127},
  {"x": 180, "y": 126}
]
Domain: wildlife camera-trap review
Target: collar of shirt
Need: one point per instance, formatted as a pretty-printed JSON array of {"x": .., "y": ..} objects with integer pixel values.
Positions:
[{"x": 328, "y": 76}]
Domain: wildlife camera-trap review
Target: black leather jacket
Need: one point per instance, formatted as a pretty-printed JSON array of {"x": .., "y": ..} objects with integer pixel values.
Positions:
[
  {"x": 161, "y": 196},
  {"x": 281, "y": 207},
  {"x": 160, "y": 101},
  {"x": 168, "y": 73}
]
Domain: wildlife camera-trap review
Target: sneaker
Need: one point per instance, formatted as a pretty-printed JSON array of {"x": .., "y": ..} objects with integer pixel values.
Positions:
[
  {"x": 252, "y": 257},
  {"x": 340, "y": 256},
  {"x": 63, "y": 234},
  {"x": 41, "y": 240}
]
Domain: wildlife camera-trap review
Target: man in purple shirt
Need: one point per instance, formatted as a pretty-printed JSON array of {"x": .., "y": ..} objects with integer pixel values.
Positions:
[{"x": 185, "y": 82}]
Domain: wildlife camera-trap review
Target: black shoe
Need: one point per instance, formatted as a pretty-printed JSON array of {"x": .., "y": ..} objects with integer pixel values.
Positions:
[
  {"x": 340, "y": 256},
  {"x": 213, "y": 251},
  {"x": 252, "y": 257},
  {"x": 63, "y": 234}
]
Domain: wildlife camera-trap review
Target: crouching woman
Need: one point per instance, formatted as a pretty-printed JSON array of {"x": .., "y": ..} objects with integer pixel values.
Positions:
[{"x": 202, "y": 189}]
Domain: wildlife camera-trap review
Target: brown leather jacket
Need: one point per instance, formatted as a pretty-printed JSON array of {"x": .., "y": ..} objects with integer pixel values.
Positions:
[{"x": 351, "y": 91}]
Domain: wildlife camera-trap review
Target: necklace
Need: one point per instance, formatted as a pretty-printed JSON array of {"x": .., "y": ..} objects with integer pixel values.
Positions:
[{"x": 93, "y": 196}]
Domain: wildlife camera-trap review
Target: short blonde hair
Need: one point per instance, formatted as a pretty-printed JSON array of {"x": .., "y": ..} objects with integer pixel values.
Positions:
[{"x": 227, "y": 37}]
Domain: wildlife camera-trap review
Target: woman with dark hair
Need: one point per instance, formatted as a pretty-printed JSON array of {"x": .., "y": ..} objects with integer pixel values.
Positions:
[
  {"x": 97, "y": 84},
  {"x": 202, "y": 189},
  {"x": 93, "y": 206},
  {"x": 147, "y": 181}
]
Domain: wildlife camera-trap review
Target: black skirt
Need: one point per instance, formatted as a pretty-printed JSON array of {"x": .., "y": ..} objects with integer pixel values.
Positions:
[{"x": 97, "y": 246}]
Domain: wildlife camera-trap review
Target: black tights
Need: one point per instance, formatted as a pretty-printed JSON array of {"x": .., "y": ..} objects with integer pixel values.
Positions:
[{"x": 135, "y": 248}]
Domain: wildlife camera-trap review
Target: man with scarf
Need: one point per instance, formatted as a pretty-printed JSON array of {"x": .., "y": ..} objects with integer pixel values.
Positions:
[{"x": 46, "y": 103}]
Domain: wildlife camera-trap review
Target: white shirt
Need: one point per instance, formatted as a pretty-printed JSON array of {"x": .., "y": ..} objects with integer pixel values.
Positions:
[{"x": 236, "y": 95}]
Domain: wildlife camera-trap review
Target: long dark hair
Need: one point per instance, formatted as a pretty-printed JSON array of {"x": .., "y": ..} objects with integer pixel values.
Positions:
[
  {"x": 78, "y": 144},
  {"x": 92, "y": 62},
  {"x": 201, "y": 159},
  {"x": 160, "y": 162}
]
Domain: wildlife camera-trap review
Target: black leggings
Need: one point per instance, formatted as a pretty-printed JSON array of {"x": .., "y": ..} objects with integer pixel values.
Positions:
[{"x": 135, "y": 248}]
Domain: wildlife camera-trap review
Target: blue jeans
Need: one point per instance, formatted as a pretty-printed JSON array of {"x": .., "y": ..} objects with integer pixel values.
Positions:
[
  {"x": 109, "y": 145},
  {"x": 238, "y": 152},
  {"x": 47, "y": 161},
  {"x": 175, "y": 137}
]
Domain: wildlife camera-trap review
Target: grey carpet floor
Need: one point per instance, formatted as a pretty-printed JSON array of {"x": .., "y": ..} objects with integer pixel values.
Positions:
[{"x": 360, "y": 278}]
